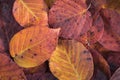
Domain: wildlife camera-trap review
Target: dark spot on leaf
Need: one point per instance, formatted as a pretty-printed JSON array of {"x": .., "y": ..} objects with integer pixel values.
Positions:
[
  {"x": 30, "y": 40},
  {"x": 81, "y": 35},
  {"x": 29, "y": 49},
  {"x": 21, "y": 56},
  {"x": 92, "y": 33},
  {"x": 15, "y": 55},
  {"x": 35, "y": 54},
  {"x": 89, "y": 59},
  {"x": 85, "y": 51}
]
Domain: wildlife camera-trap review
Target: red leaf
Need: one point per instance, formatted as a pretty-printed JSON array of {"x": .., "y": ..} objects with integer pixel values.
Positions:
[{"x": 73, "y": 18}]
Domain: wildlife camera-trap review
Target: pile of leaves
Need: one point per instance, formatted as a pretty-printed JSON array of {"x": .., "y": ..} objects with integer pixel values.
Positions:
[{"x": 59, "y": 40}]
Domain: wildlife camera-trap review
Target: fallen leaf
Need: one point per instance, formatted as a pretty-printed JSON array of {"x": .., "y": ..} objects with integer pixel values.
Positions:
[
  {"x": 35, "y": 73},
  {"x": 9, "y": 70},
  {"x": 109, "y": 42},
  {"x": 71, "y": 61},
  {"x": 116, "y": 75},
  {"x": 99, "y": 75},
  {"x": 101, "y": 63},
  {"x": 30, "y": 12},
  {"x": 112, "y": 18},
  {"x": 33, "y": 46},
  {"x": 113, "y": 58},
  {"x": 73, "y": 18},
  {"x": 96, "y": 31}
]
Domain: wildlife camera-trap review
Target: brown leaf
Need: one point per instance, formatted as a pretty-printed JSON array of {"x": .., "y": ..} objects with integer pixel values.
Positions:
[
  {"x": 73, "y": 18},
  {"x": 9, "y": 70},
  {"x": 101, "y": 63},
  {"x": 33, "y": 46}
]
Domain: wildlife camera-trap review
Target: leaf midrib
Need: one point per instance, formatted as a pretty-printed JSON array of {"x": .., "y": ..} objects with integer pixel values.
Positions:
[
  {"x": 69, "y": 60},
  {"x": 23, "y": 3}
]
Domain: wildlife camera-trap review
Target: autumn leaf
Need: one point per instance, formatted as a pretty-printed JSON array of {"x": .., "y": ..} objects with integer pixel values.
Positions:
[
  {"x": 109, "y": 42},
  {"x": 100, "y": 63},
  {"x": 71, "y": 61},
  {"x": 116, "y": 75},
  {"x": 33, "y": 46},
  {"x": 9, "y": 70},
  {"x": 96, "y": 31},
  {"x": 73, "y": 18},
  {"x": 35, "y": 73},
  {"x": 30, "y": 12},
  {"x": 113, "y": 21}
]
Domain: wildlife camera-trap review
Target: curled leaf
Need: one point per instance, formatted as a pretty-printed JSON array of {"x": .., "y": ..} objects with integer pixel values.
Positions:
[
  {"x": 33, "y": 46},
  {"x": 30, "y": 12},
  {"x": 71, "y": 61},
  {"x": 9, "y": 70}
]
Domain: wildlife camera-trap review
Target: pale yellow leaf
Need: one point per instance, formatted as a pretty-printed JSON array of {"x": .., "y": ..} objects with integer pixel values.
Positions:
[{"x": 71, "y": 61}]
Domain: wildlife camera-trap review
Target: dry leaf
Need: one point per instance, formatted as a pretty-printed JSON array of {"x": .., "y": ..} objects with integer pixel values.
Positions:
[
  {"x": 71, "y": 61},
  {"x": 9, "y": 70},
  {"x": 32, "y": 46},
  {"x": 73, "y": 18},
  {"x": 30, "y": 12}
]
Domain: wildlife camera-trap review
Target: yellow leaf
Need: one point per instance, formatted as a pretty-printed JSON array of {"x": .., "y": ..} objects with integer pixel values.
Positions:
[
  {"x": 30, "y": 12},
  {"x": 9, "y": 70},
  {"x": 71, "y": 61},
  {"x": 32, "y": 46}
]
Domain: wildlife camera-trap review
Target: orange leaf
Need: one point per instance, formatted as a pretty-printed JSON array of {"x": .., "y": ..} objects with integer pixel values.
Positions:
[
  {"x": 30, "y": 12},
  {"x": 32, "y": 46},
  {"x": 71, "y": 61},
  {"x": 9, "y": 70}
]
